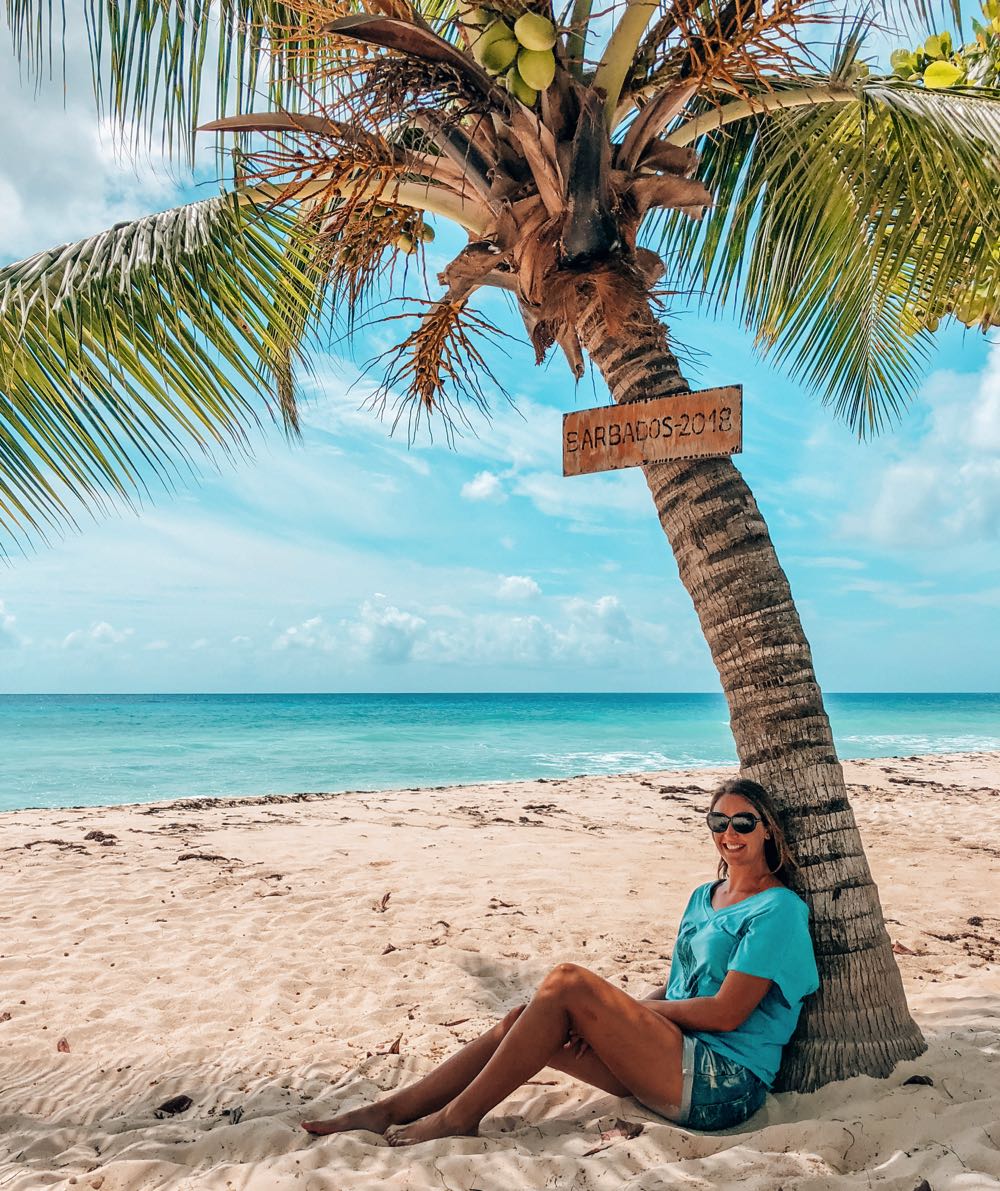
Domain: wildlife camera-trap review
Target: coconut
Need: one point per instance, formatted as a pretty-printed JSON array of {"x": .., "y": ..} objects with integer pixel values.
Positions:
[
  {"x": 519, "y": 88},
  {"x": 535, "y": 32},
  {"x": 425, "y": 232},
  {"x": 479, "y": 17},
  {"x": 496, "y": 47},
  {"x": 499, "y": 54},
  {"x": 537, "y": 68},
  {"x": 970, "y": 309},
  {"x": 405, "y": 244}
]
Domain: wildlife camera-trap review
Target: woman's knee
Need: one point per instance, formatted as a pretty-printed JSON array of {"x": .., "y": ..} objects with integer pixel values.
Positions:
[{"x": 566, "y": 979}]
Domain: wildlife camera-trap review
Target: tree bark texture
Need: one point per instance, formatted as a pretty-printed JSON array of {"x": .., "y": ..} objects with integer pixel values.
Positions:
[{"x": 858, "y": 1022}]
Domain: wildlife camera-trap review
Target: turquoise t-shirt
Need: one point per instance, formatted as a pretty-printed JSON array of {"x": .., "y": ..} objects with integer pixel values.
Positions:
[{"x": 764, "y": 935}]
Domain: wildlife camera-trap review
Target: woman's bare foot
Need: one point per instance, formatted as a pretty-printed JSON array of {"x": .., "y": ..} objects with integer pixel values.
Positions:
[
  {"x": 375, "y": 1118},
  {"x": 428, "y": 1128}
]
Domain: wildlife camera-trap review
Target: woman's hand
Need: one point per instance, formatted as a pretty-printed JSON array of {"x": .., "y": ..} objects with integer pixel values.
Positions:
[
  {"x": 738, "y": 996},
  {"x": 577, "y": 1046}
]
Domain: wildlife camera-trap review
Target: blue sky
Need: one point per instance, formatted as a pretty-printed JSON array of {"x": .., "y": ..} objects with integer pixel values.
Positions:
[{"x": 350, "y": 562}]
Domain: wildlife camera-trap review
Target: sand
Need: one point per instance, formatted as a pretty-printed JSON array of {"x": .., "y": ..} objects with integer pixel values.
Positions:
[{"x": 276, "y": 959}]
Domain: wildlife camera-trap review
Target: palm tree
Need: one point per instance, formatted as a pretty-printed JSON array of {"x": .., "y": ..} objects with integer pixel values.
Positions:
[{"x": 843, "y": 208}]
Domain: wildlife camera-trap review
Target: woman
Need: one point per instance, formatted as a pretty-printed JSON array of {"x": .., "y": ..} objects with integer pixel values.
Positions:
[{"x": 702, "y": 1050}]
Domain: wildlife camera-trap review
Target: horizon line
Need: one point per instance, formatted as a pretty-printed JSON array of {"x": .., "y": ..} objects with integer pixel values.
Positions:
[{"x": 423, "y": 694}]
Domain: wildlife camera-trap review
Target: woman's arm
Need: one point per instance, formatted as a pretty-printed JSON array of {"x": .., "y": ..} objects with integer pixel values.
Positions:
[{"x": 736, "y": 999}]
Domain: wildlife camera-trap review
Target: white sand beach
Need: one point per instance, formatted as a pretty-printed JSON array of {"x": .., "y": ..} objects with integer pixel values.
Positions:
[{"x": 274, "y": 959}]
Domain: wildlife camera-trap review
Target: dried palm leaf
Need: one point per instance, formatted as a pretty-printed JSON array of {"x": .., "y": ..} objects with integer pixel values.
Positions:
[{"x": 438, "y": 366}]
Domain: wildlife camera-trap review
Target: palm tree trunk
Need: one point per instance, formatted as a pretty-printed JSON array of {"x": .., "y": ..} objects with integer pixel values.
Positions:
[{"x": 858, "y": 1022}]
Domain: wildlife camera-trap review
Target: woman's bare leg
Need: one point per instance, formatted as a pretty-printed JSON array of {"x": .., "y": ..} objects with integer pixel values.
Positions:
[
  {"x": 453, "y": 1076},
  {"x": 426, "y": 1095},
  {"x": 638, "y": 1047}
]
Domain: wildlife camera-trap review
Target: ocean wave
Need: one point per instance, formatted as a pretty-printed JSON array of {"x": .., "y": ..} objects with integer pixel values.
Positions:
[
  {"x": 624, "y": 761},
  {"x": 920, "y": 743}
]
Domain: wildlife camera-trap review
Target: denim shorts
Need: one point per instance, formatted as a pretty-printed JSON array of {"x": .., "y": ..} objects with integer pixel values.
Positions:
[{"x": 717, "y": 1092}]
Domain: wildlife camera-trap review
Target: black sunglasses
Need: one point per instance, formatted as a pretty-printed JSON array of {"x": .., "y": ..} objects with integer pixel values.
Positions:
[{"x": 743, "y": 821}]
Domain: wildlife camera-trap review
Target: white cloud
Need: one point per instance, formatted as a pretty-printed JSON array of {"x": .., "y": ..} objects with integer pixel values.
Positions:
[
  {"x": 588, "y": 501},
  {"x": 518, "y": 587},
  {"x": 829, "y": 562},
  {"x": 898, "y": 595},
  {"x": 989, "y": 597},
  {"x": 156, "y": 646},
  {"x": 100, "y": 634},
  {"x": 946, "y": 492},
  {"x": 583, "y": 634},
  {"x": 485, "y": 486},
  {"x": 61, "y": 177},
  {"x": 310, "y": 634},
  {"x": 413, "y": 461},
  {"x": 241, "y": 641},
  {"x": 923, "y": 593},
  {"x": 383, "y": 633},
  {"x": 522, "y": 435},
  {"x": 336, "y": 392},
  {"x": 981, "y": 423},
  {"x": 521, "y": 441},
  {"x": 9, "y": 636},
  {"x": 605, "y": 618}
]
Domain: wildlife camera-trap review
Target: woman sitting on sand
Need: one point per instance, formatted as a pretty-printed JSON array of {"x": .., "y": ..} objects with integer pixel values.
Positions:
[{"x": 701, "y": 1050}]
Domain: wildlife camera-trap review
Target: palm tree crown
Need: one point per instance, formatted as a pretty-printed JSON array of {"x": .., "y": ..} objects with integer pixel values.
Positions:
[{"x": 846, "y": 211}]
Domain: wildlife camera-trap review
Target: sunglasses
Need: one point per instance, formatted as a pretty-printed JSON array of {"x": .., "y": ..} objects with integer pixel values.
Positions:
[{"x": 743, "y": 822}]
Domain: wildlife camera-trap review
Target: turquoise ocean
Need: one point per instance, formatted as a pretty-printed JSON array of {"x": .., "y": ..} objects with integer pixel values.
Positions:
[{"x": 73, "y": 750}]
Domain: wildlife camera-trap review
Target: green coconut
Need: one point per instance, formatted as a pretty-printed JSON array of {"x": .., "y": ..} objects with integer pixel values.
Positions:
[
  {"x": 537, "y": 68},
  {"x": 535, "y": 32},
  {"x": 496, "y": 47},
  {"x": 519, "y": 88},
  {"x": 971, "y": 309},
  {"x": 406, "y": 243},
  {"x": 499, "y": 55},
  {"x": 480, "y": 17},
  {"x": 425, "y": 232}
]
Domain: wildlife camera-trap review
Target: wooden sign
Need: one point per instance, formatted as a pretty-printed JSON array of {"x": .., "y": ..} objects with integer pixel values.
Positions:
[{"x": 688, "y": 426}]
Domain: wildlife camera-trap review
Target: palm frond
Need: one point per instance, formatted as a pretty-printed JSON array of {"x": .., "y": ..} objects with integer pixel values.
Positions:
[
  {"x": 122, "y": 352},
  {"x": 616, "y": 61},
  {"x": 153, "y": 60},
  {"x": 576, "y": 40},
  {"x": 840, "y": 226},
  {"x": 972, "y": 114},
  {"x": 437, "y": 367},
  {"x": 735, "y": 47},
  {"x": 923, "y": 13}
]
